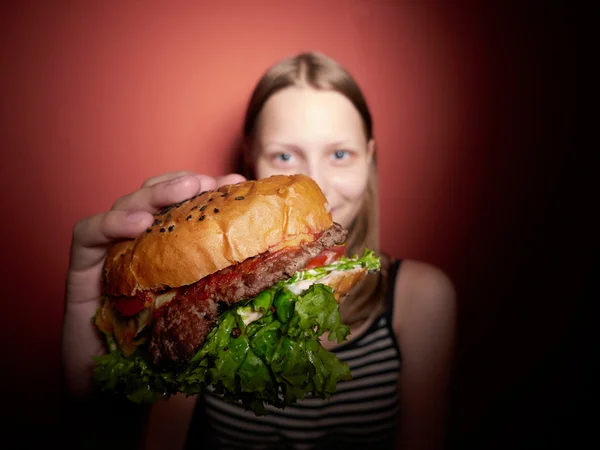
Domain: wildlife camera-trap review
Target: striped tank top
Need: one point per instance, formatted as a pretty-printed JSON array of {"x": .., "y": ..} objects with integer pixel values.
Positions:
[{"x": 361, "y": 414}]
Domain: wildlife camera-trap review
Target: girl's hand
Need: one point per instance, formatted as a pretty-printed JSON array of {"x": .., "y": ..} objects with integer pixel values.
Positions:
[{"x": 128, "y": 218}]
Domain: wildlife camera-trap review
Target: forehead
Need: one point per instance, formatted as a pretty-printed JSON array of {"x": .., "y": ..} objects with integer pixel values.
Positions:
[{"x": 303, "y": 113}]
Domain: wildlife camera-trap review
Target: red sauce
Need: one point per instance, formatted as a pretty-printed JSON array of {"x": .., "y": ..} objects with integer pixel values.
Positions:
[
  {"x": 209, "y": 285},
  {"x": 129, "y": 306}
]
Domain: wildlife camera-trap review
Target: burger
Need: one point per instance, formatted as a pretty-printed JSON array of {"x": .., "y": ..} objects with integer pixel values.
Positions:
[{"x": 232, "y": 289}]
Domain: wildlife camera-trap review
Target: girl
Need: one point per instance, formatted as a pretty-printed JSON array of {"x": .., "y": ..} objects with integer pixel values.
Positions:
[{"x": 306, "y": 115}]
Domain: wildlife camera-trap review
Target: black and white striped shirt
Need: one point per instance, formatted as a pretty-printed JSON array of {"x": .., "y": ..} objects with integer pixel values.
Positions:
[{"x": 362, "y": 413}]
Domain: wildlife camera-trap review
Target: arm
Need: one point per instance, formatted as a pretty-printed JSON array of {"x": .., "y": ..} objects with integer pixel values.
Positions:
[
  {"x": 92, "y": 420},
  {"x": 168, "y": 423},
  {"x": 424, "y": 322}
]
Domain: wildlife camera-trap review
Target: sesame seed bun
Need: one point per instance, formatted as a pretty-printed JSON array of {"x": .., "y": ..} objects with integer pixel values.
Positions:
[{"x": 215, "y": 230}]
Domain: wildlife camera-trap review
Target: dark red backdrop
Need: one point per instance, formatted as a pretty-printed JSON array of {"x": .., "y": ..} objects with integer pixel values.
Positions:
[{"x": 473, "y": 112}]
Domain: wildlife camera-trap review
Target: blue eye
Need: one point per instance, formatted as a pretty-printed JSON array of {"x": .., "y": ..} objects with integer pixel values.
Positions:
[
  {"x": 340, "y": 154},
  {"x": 284, "y": 156}
]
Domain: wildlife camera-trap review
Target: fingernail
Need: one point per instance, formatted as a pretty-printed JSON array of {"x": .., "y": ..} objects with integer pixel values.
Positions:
[
  {"x": 135, "y": 217},
  {"x": 178, "y": 179}
]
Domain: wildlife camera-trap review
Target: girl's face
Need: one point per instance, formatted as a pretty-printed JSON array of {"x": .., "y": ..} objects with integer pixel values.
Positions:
[{"x": 318, "y": 133}]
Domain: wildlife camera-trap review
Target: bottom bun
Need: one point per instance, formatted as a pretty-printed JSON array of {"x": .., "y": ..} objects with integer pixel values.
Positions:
[{"x": 343, "y": 281}]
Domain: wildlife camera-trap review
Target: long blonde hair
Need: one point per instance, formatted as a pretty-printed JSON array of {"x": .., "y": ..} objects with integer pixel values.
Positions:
[{"x": 315, "y": 70}]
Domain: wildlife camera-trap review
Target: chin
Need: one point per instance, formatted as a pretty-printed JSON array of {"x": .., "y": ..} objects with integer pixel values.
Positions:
[{"x": 344, "y": 218}]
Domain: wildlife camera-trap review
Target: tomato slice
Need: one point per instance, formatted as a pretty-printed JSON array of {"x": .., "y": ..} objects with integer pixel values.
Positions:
[
  {"x": 129, "y": 306},
  {"x": 327, "y": 256},
  {"x": 339, "y": 250},
  {"x": 317, "y": 261}
]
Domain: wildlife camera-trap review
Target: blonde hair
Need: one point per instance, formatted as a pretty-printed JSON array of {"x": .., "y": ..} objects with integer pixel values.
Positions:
[{"x": 318, "y": 71}]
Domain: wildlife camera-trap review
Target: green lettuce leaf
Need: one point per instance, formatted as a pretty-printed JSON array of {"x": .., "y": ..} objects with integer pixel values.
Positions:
[
  {"x": 369, "y": 260},
  {"x": 265, "y": 350}
]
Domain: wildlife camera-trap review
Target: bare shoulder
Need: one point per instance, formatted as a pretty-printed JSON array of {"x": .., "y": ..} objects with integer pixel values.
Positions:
[{"x": 424, "y": 295}]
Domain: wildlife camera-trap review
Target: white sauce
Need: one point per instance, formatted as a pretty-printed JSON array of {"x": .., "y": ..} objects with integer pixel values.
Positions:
[
  {"x": 251, "y": 316},
  {"x": 162, "y": 299},
  {"x": 300, "y": 286}
]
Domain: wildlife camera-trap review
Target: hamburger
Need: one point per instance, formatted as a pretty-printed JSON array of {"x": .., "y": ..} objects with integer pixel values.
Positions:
[{"x": 233, "y": 289}]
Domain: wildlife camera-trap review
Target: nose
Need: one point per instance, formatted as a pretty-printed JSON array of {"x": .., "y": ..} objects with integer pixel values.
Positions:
[{"x": 317, "y": 173}]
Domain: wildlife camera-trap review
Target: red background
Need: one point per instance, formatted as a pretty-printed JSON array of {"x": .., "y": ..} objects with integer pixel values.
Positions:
[{"x": 473, "y": 111}]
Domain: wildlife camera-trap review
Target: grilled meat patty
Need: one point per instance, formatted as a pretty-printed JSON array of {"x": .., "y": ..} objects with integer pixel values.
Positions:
[{"x": 183, "y": 323}]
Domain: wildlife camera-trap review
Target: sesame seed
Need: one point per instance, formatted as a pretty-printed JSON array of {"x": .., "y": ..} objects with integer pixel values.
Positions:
[
  {"x": 216, "y": 210},
  {"x": 162, "y": 230},
  {"x": 210, "y": 199},
  {"x": 224, "y": 194},
  {"x": 156, "y": 222},
  {"x": 202, "y": 217},
  {"x": 148, "y": 230},
  {"x": 171, "y": 228},
  {"x": 203, "y": 208},
  {"x": 168, "y": 217},
  {"x": 240, "y": 197},
  {"x": 188, "y": 217}
]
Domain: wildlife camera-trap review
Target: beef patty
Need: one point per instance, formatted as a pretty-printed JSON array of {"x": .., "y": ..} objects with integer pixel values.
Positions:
[{"x": 183, "y": 323}]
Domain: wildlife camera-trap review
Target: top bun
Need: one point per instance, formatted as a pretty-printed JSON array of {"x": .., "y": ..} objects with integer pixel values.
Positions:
[{"x": 216, "y": 229}]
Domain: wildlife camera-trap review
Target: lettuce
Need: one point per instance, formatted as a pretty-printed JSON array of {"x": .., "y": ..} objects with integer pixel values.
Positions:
[
  {"x": 369, "y": 260},
  {"x": 265, "y": 350}
]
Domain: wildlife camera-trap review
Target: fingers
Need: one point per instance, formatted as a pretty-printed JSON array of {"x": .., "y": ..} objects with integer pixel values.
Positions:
[
  {"x": 132, "y": 214},
  {"x": 165, "y": 177},
  {"x": 231, "y": 178},
  {"x": 171, "y": 188},
  {"x": 103, "y": 228},
  {"x": 91, "y": 235},
  {"x": 155, "y": 197}
]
